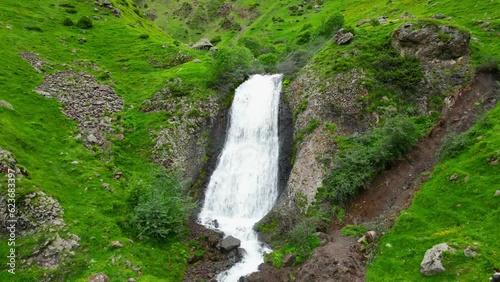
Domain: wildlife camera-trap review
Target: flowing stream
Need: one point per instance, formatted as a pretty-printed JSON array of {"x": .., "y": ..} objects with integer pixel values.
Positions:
[{"x": 244, "y": 185}]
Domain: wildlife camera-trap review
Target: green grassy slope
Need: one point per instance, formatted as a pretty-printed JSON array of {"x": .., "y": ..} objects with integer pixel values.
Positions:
[
  {"x": 461, "y": 213},
  {"x": 41, "y": 137}
]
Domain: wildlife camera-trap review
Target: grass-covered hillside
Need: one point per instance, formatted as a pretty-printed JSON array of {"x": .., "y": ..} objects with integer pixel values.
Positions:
[
  {"x": 117, "y": 190},
  {"x": 457, "y": 205},
  {"x": 128, "y": 53}
]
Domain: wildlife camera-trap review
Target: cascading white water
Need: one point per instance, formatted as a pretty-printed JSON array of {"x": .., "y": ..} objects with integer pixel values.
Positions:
[{"x": 244, "y": 186}]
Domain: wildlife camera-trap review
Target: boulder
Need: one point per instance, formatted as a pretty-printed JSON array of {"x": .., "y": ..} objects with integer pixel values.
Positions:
[
  {"x": 470, "y": 252},
  {"x": 342, "y": 37},
  {"x": 431, "y": 42},
  {"x": 116, "y": 244},
  {"x": 99, "y": 277},
  {"x": 406, "y": 15},
  {"x": 431, "y": 264},
  {"x": 497, "y": 193},
  {"x": 203, "y": 44},
  {"x": 362, "y": 22},
  {"x": 229, "y": 243},
  {"x": 439, "y": 16},
  {"x": 6, "y": 104},
  {"x": 288, "y": 260}
]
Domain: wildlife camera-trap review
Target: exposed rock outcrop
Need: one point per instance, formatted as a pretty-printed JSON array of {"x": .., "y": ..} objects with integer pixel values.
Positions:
[
  {"x": 203, "y": 44},
  {"x": 342, "y": 37},
  {"x": 431, "y": 264},
  {"x": 90, "y": 104},
  {"x": 6, "y": 104},
  {"x": 7, "y": 160},
  {"x": 183, "y": 143}
]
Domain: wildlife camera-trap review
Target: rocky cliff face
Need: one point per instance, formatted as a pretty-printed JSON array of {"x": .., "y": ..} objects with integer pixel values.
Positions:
[{"x": 320, "y": 102}]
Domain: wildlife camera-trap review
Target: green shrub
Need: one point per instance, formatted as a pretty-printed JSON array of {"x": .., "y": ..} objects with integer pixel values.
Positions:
[
  {"x": 84, "y": 23},
  {"x": 68, "y": 22},
  {"x": 332, "y": 24},
  {"x": 367, "y": 155},
  {"x": 374, "y": 22},
  {"x": 71, "y": 11},
  {"x": 216, "y": 39},
  {"x": 161, "y": 209},
  {"x": 404, "y": 72},
  {"x": 144, "y": 36},
  {"x": 253, "y": 44},
  {"x": 65, "y": 5},
  {"x": 268, "y": 61},
  {"x": 303, "y": 236},
  {"x": 231, "y": 66},
  {"x": 34, "y": 28},
  {"x": 304, "y": 37}
]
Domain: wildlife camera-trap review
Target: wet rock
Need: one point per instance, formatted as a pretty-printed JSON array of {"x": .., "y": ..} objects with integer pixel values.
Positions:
[
  {"x": 342, "y": 37},
  {"x": 99, "y": 277},
  {"x": 431, "y": 264},
  {"x": 229, "y": 243},
  {"x": 203, "y": 44},
  {"x": 6, "y": 104}
]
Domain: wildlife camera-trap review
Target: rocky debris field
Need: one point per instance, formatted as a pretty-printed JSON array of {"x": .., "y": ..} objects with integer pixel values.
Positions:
[{"x": 82, "y": 99}]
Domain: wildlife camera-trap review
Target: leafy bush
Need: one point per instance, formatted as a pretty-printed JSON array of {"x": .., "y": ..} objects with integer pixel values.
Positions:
[
  {"x": 216, "y": 39},
  {"x": 303, "y": 236},
  {"x": 84, "y": 23},
  {"x": 404, "y": 72},
  {"x": 453, "y": 145},
  {"x": 34, "y": 28},
  {"x": 268, "y": 61},
  {"x": 332, "y": 24},
  {"x": 68, "y": 22},
  {"x": 253, "y": 44},
  {"x": 161, "y": 210},
  {"x": 231, "y": 66},
  {"x": 367, "y": 155},
  {"x": 304, "y": 37}
]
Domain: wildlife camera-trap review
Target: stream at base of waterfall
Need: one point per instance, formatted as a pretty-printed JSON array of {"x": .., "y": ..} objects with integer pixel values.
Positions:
[{"x": 244, "y": 186}]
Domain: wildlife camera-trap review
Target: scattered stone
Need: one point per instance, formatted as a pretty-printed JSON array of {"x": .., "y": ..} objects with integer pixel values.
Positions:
[
  {"x": 116, "y": 13},
  {"x": 105, "y": 186},
  {"x": 116, "y": 244},
  {"x": 6, "y": 104},
  {"x": 9, "y": 27},
  {"x": 382, "y": 20},
  {"x": 136, "y": 268},
  {"x": 406, "y": 15},
  {"x": 214, "y": 48},
  {"x": 73, "y": 51},
  {"x": 371, "y": 236},
  {"x": 203, "y": 44},
  {"x": 449, "y": 19},
  {"x": 74, "y": 162},
  {"x": 196, "y": 61},
  {"x": 131, "y": 280},
  {"x": 439, "y": 16},
  {"x": 82, "y": 40},
  {"x": 99, "y": 277},
  {"x": 470, "y": 252},
  {"x": 342, "y": 37},
  {"x": 118, "y": 175},
  {"x": 92, "y": 139},
  {"x": 497, "y": 193},
  {"x": 289, "y": 259},
  {"x": 35, "y": 61},
  {"x": 229, "y": 243},
  {"x": 96, "y": 18},
  {"x": 362, "y": 22},
  {"x": 431, "y": 264},
  {"x": 453, "y": 177}
]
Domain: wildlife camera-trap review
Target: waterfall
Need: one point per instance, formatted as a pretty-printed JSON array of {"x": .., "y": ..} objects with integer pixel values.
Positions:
[{"x": 244, "y": 185}]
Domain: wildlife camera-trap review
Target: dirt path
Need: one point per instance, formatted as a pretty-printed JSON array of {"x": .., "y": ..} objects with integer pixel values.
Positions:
[{"x": 389, "y": 193}]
